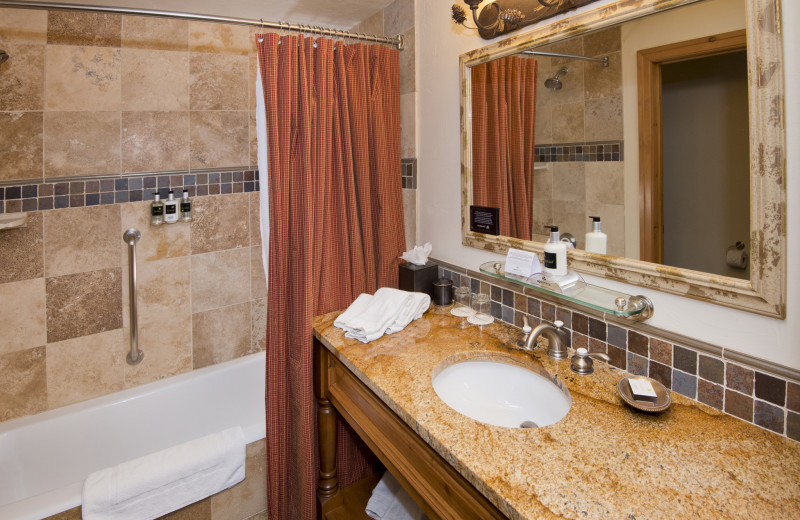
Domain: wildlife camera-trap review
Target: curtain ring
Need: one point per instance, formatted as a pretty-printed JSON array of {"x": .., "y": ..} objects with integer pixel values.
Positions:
[{"x": 261, "y": 35}]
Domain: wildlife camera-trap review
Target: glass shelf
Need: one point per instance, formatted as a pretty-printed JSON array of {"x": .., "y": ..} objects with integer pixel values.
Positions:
[{"x": 578, "y": 291}]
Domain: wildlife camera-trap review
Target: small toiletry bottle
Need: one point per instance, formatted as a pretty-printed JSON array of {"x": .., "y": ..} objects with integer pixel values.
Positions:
[
  {"x": 596, "y": 240},
  {"x": 186, "y": 207},
  {"x": 156, "y": 211},
  {"x": 171, "y": 209},
  {"x": 555, "y": 254}
]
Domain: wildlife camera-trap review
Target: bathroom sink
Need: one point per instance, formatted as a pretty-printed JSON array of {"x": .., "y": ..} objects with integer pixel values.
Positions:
[{"x": 500, "y": 393}]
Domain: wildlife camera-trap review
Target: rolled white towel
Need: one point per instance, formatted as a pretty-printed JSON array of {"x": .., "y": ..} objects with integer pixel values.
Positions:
[
  {"x": 420, "y": 303},
  {"x": 389, "y": 501}
]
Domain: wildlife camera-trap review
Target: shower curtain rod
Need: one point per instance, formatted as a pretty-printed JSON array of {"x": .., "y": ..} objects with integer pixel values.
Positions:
[
  {"x": 603, "y": 60},
  {"x": 286, "y": 26}
]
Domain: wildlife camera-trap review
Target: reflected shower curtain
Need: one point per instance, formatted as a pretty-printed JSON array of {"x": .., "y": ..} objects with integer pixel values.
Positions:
[
  {"x": 503, "y": 116},
  {"x": 336, "y": 230}
]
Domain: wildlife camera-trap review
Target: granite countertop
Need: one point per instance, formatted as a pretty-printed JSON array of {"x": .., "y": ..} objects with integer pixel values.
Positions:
[{"x": 603, "y": 460}]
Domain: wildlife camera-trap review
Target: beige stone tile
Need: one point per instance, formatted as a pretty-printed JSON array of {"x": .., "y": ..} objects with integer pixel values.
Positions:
[
  {"x": 605, "y": 182},
  {"x": 165, "y": 320},
  {"x": 86, "y": 367},
  {"x": 22, "y": 315},
  {"x": 155, "y": 141},
  {"x": 408, "y": 122},
  {"x": 81, "y": 239},
  {"x": 23, "y": 387},
  {"x": 613, "y": 218},
  {"x": 372, "y": 25},
  {"x": 568, "y": 123},
  {"x": 572, "y": 89},
  {"x": 398, "y": 17},
  {"x": 248, "y": 497},
  {"x": 542, "y": 216},
  {"x": 219, "y": 38},
  {"x": 570, "y": 46},
  {"x": 251, "y": 83},
  {"x": 21, "y": 251},
  {"x": 23, "y": 26},
  {"x": 570, "y": 217},
  {"x": 543, "y": 182},
  {"x": 220, "y": 279},
  {"x": 407, "y": 63},
  {"x": 604, "y": 41},
  {"x": 84, "y": 28},
  {"x": 258, "y": 282},
  {"x": 604, "y": 81},
  {"x": 543, "y": 131},
  {"x": 149, "y": 32},
  {"x": 22, "y": 135},
  {"x": 155, "y": 80},
  {"x": 221, "y": 335},
  {"x": 221, "y": 222},
  {"x": 255, "y": 218},
  {"x": 410, "y": 217},
  {"x": 22, "y": 78},
  {"x": 258, "y": 320},
  {"x": 253, "y": 140},
  {"x": 157, "y": 242},
  {"x": 604, "y": 119},
  {"x": 569, "y": 181},
  {"x": 82, "y": 143},
  {"x": 198, "y": 511},
  {"x": 84, "y": 303},
  {"x": 82, "y": 78},
  {"x": 219, "y": 82},
  {"x": 220, "y": 139}
]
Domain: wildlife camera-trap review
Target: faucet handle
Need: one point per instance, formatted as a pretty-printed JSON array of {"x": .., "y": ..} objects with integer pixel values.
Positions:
[{"x": 582, "y": 362}]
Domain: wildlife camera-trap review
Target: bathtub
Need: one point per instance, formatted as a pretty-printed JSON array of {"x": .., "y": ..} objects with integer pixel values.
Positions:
[{"x": 45, "y": 458}]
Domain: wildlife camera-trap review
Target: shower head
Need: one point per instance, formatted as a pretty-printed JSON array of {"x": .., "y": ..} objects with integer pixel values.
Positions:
[
  {"x": 3, "y": 56},
  {"x": 555, "y": 83}
]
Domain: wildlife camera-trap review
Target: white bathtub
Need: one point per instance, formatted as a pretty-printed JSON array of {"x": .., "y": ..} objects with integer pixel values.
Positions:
[{"x": 45, "y": 458}]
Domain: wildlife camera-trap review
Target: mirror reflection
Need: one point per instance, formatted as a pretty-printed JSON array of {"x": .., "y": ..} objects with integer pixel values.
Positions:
[{"x": 556, "y": 139}]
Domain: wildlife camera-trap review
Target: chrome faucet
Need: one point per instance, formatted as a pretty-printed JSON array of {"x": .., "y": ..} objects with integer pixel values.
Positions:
[{"x": 555, "y": 335}]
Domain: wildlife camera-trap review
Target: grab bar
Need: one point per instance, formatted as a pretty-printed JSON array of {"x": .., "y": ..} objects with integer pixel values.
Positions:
[{"x": 130, "y": 237}]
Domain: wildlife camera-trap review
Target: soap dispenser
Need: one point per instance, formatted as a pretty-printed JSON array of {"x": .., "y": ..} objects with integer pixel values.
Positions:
[
  {"x": 596, "y": 240},
  {"x": 555, "y": 254}
]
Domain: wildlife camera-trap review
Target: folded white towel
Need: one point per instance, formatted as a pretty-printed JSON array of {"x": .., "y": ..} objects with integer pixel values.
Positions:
[
  {"x": 161, "y": 482},
  {"x": 358, "y": 307},
  {"x": 420, "y": 303},
  {"x": 389, "y": 501},
  {"x": 367, "y": 318}
]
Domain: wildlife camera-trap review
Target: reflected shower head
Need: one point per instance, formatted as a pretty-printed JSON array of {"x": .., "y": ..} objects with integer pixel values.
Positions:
[
  {"x": 555, "y": 83},
  {"x": 3, "y": 56}
]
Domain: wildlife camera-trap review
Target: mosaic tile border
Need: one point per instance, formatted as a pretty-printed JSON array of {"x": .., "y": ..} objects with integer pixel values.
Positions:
[
  {"x": 700, "y": 371},
  {"x": 580, "y": 152},
  {"x": 76, "y": 193},
  {"x": 408, "y": 170}
]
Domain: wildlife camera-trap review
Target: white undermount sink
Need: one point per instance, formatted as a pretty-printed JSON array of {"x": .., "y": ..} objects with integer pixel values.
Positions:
[{"x": 502, "y": 394}]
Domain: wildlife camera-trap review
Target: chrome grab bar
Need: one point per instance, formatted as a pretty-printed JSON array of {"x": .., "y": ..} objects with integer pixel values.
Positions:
[{"x": 130, "y": 237}]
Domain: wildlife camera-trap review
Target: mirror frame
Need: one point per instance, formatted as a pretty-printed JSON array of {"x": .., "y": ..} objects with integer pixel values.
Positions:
[{"x": 765, "y": 291}]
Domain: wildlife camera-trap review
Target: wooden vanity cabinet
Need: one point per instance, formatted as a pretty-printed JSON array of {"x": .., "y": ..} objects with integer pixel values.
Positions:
[{"x": 430, "y": 480}]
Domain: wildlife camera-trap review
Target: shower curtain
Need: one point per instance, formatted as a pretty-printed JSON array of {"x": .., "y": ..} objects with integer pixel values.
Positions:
[
  {"x": 503, "y": 116},
  {"x": 336, "y": 230}
]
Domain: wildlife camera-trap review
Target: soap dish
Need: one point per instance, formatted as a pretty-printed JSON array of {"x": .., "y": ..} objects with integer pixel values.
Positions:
[{"x": 662, "y": 395}]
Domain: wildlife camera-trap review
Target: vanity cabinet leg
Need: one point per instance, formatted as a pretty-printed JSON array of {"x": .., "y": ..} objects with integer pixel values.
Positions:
[{"x": 328, "y": 481}]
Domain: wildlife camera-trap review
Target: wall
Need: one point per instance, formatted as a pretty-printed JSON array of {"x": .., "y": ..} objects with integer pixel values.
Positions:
[
  {"x": 85, "y": 101},
  {"x": 439, "y": 148}
]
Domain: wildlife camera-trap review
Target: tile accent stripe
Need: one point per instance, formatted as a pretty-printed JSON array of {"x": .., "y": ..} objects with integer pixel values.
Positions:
[
  {"x": 755, "y": 391},
  {"x": 580, "y": 152},
  {"x": 408, "y": 169}
]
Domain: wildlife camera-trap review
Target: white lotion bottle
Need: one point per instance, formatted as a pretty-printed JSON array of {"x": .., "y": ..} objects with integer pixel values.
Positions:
[
  {"x": 171, "y": 209},
  {"x": 555, "y": 254},
  {"x": 596, "y": 240}
]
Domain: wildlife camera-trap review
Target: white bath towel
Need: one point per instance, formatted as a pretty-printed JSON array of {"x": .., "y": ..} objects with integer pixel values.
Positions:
[
  {"x": 420, "y": 303},
  {"x": 389, "y": 501},
  {"x": 389, "y": 310},
  {"x": 161, "y": 482}
]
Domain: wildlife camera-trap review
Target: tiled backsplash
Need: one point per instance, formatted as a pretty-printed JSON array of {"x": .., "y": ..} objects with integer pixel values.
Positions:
[
  {"x": 697, "y": 370},
  {"x": 579, "y": 152}
]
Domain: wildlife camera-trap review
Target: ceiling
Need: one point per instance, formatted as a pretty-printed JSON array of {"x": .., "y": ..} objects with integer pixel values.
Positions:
[{"x": 340, "y": 14}]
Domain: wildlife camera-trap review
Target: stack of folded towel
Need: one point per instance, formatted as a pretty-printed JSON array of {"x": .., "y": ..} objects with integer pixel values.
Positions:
[
  {"x": 387, "y": 311},
  {"x": 389, "y": 501}
]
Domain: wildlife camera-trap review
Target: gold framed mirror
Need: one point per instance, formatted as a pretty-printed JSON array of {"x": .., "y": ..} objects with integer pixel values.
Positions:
[{"x": 764, "y": 291}]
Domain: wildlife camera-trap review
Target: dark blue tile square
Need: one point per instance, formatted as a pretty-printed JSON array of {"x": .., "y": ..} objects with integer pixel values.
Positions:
[
  {"x": 29, "y": 191},
  {"x": 135, "y": 183},
  {"x": 497, "y": 310},
  {"x": 134, "y": 195},
  {"x": 121, "y": 196},
  {"x": 30, "y": 205},
  {"x": 238, "y": 176},
  {"x": 508, "y": 298},
  {"x": 475, "y": 285},
  {"x": 13, "y": 192},
  {"x": 684, "y": 359},
  {"x": 107, "y": 197},
  {"x": 507, "y": 314},
  {"x": 2, "y": 193},
  {"x": 163, "y": 181},
  {"x": 149, "y": 183},
  {"x": 637, "y": 365},
  {"x": 213, "y": 178},
  {"x": 226, "y": 177},
  {"x": 106, "y": 185},
  {"x": 189, "y": 180},
  {"x": 61, "y": 201},
  {"x": 92, "y": 199},
  {"x": 249, "y": 186},
  {"x": 685, "y": 384},
  {"x": 617, "y": 336},
  {"x": 92, "y": 187},
  {"x": 121, "y": 185}
]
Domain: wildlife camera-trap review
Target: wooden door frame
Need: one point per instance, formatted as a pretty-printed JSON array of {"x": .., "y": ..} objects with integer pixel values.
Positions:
[{"x": 649, "y": 62}]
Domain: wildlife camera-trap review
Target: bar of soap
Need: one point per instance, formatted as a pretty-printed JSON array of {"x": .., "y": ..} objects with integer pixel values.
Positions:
[{"x": 642, "y": 390}]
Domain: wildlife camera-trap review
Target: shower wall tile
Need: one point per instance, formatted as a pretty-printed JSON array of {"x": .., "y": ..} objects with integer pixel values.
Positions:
[
  {"x": 82, "y": 78},
  {"x": 83, "y": 303},
  {"x": 398, "y": 17},
  {"x": 158, "y": 242},
  {"x": 219, "y": 38},
  {"x": 81, "y": 239},
  {"x": 408, "y": 121},
  {"x": 604, "y": 41},
  {"x": 569, "y": 182},
  {"x": 219, "y": 279},
  {"x": 251, "y": 82},
  {"x": 22, "y": 78},
  {"x": 219, "y": 82},
  {"x": 248, "y": 497},
  {"x": 82, "y": 368},
  {"x": 544, "y": 124},
  {"x": 407, "y": 62},
  {"x": 220, "y": 335},
  {"x": 21, "y": 154},
  {"x": 83, "y": 28},
  {"x": 605, "y": 182},
  {"x": 371, "y": 25},
  {"x": 148, "y": 32},
  {"x": 154, "y": 141},
  {"x": 602, "y": 81},
  {"x": 23, "y": 387},
  {"x": 219, "y": 139},
  {"x": 21, "y": 251},
  {"x": 258, "y": 321},
  {"x": 604, "y": 118},
  {"x": 255, "y": 218},
  {"x": 82, "y": 143},
  {"x": 258, "y": 281},
  {"x": 22, "y": 315},
  {"x": 221, "y": 222},
  {"x": 155, "y": 80},
  {"x": 23, "y": 26},
  {"x": 253, "y": 137},
  {"x": 410, "y": 217},
  {"x": 568, "y": 123}
]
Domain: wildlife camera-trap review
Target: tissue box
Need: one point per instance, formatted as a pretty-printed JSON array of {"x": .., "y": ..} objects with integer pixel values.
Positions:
[{"x": 418, "y": 278}]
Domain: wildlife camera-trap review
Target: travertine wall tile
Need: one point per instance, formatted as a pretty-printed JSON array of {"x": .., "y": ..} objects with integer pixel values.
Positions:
[
  {"x": 257, "y": 278},
  {"x": 148, "y": 32},
  {"x": 82, "y": 143},
  {"x": 258, "y": 320},
  {"x": 408, "y": 122},
  {"x": 604, "y": 81},
  {"x": 219, "y": 82},
  {"x": 410, "y": 217},
  {"x": 220, "y": 279},
  {"x": 604, "y": 118},
  {"x": 569, "y": 183},
  {"x": 604, "y": 182},
  {"x": 372, "y": 25},
  {"x": 255, "y": 218},
  {"x": 23, "y": 26},
  {"x": 82, "y": 78},
  {"x": 568, "y": 123},
  {"x": 249, "y": 497},
  {"x": 251, "y": 83},
  {"x": 219, "y": 139},
  {"x": 408, "y": 63},
  {"x": 155, "y": 141},
  {"x": 21, "y": 154},
  {"x": 22, "y": 78},
  {"x": 83, "y": 303},
  {"x": 398, "y": 17},
  {"x": 221, "y": 335},
  {"x": 85, "y": 367},
  {"x": 22, "y": 315},
  {"x": 253, "y": 138},
  {"x": 21, "y": 251},
  {"x": 81, "y": 239},
  {"x": 23, "y": 387},
  {"x": 157, "y": 242},
  {"x": 155, "y": 80},
  {"x": 219, "y": 38},
  {"x": 221, "y": 222},
  {"x": 84, "y": 28}
]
